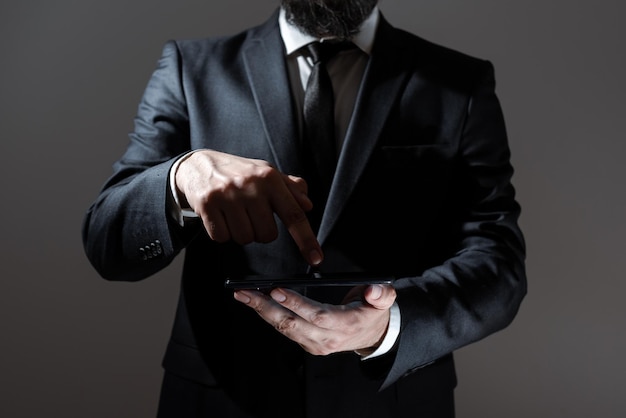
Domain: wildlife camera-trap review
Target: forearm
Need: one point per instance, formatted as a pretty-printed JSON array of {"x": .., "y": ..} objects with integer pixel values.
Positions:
[
  {"x": 129, "y": 215},
  {"x": 131, "y": 212},
  {"x": 478, "y": 287}
]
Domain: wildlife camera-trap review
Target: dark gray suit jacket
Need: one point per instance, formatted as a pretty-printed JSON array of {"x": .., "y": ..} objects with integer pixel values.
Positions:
[{"x": 422, "y": 191}]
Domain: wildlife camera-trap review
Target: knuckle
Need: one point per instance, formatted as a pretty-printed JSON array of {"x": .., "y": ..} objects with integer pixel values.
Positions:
[
  {"x": 286, "y": 324},
  {"x": 200, "y": 200},
  {"x": 258, "y": 307},
  {"x": 294, "y": 304},
  {"x": 231, "y": 189},
  {"x": 325, "y": 347},
  {"x": 266, "y": 171},
  {"x": 204, "y": 200},
  {"x": 320, "y": 318},
  {"x": 332, "y": 345},
  {"x": 251, "y": 184},
  {"x": 299, "y": 182}
]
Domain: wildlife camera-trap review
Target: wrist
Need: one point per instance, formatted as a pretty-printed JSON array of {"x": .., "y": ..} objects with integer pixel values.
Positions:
[
  {"x": 178, "y": 179},
  {"x": 180, "y": 207},
  {"x": 389, "y": 338}
]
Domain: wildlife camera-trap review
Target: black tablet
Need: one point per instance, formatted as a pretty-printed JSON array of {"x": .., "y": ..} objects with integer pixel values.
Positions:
[{"x": 306, "y": 280}]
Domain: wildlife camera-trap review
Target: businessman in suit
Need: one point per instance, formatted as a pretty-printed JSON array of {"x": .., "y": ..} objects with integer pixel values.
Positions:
[{"x": 220, "y": 165}]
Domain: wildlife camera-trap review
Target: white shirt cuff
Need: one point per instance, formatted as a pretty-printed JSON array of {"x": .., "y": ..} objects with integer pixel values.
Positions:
[
  {"x": 393, "y": 331},
  {"x": 177, "y": 212}
]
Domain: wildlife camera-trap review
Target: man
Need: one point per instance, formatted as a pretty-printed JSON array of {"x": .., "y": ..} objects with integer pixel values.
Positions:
[{"x": 219, "y": 164}]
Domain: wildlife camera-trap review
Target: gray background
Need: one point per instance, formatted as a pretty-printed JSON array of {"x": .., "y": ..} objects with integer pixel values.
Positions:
[{"x": 71, "y": 75}]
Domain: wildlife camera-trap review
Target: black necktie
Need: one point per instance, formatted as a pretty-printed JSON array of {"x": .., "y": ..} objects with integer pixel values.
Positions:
[{"x": 319, "y": 127}]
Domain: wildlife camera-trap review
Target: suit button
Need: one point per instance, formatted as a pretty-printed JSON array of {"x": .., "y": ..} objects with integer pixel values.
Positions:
[{"x": 150, "y": 251}]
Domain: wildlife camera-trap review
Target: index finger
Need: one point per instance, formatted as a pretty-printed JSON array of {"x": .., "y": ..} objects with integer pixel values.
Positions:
[{"x": 294, "y": 218}]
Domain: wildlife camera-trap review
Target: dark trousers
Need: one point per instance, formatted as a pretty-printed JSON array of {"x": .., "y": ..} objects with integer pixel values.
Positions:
[{"x": 182, "y": 398}]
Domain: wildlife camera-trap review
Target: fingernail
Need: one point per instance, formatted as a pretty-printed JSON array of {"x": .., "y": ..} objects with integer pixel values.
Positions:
[
  {"x": 377, "y": 291},
  {"x": 278, "y": 296},
  {"x": 242, "y": 297},
  {"x": 315, "y": 257}
]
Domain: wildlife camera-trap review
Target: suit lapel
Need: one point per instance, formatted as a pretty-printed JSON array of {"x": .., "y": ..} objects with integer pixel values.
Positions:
[
  {"x": 266, "y": 69},
  {"x": 383, "y": 80}
]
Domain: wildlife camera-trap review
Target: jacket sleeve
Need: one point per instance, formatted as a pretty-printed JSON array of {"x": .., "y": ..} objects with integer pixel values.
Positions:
[
  {"x": 478, "y": 290},
  {"x": 127, "y": 232}
]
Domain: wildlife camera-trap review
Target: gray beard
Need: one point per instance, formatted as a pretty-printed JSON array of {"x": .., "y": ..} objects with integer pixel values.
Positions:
[{"x": 328, "y": 18}]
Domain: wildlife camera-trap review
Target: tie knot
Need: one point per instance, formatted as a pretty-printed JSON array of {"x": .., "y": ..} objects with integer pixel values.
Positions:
[{"x": 323, "y": 51}]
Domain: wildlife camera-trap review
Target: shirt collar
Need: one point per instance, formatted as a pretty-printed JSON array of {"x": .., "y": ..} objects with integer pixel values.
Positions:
[{"x": 294, "y": 39}]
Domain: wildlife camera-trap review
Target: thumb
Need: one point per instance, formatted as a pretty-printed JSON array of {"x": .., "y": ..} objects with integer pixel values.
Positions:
[{"x": 380, "y": 296}]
